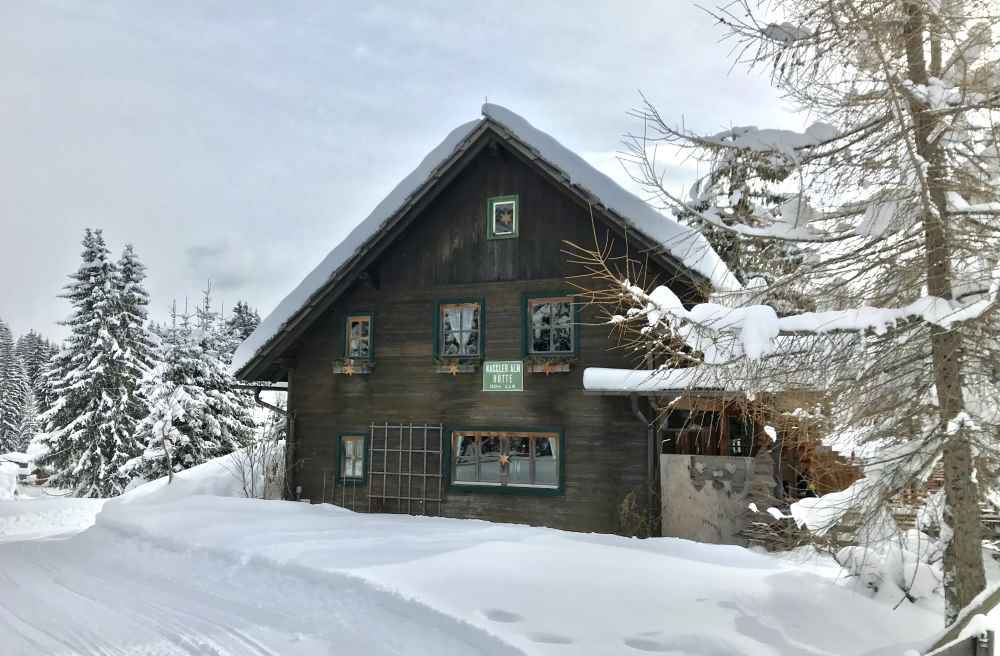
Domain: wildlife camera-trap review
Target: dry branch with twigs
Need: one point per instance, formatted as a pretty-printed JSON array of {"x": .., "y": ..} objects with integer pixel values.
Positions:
[{"x": 890, "y": 200}]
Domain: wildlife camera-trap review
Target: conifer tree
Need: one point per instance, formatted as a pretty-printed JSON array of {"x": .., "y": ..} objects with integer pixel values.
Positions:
[
  {"x": 132, "y": 333},
  {"x": 15, "y": 393},
  {"x": 195, "y": 412},
  {"x": 29, "y": 426},
  {"x": 35, "y": 352},
  {"x": 90, "y": 428},
  {"x": 31, "y": 348},
  {"x": 243, "y": 321}
]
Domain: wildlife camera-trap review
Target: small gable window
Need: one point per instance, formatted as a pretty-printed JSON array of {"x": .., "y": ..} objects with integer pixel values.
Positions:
[
  {"x": 502, "y": 217},
  {"x": 550, "y": 326},
  {"x": 359, "y": 336},
  {"x": 460, "y": 334}
]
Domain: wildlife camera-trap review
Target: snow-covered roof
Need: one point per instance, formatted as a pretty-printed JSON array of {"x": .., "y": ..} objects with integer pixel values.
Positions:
[
  {"x": 797, "y": 363},
  {"x": 647, "y": 381},
  {"x": 689, "y": 247}
]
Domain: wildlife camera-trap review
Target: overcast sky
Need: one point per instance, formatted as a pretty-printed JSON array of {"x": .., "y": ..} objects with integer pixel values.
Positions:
[{"x": 239, "y": 141}]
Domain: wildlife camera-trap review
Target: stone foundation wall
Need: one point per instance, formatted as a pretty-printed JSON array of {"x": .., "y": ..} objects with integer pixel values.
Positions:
[{"x": 704, "y": 498}]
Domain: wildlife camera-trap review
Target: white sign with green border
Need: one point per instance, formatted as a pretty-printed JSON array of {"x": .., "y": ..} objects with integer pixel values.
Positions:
[{"x": 503, "y": 376}]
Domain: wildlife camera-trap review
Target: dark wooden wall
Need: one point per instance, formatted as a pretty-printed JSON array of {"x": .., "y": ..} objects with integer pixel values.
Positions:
[{"x": 445, "y": 254}]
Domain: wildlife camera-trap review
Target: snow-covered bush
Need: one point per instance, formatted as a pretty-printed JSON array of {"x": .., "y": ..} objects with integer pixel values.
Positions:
[
  {"x": 909, "y": 567},
  {"x": 218, "y": 477},
  {"x": 259, "y": 468}
]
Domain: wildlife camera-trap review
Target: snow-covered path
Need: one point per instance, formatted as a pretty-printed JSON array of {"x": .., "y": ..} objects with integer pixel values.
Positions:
[
  {"x": 103, "y": 593},
  {"x": 178, "y": 569}
]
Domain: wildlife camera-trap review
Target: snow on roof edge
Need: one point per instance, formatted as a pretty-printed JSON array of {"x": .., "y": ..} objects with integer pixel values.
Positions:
[
  {"x": 600, "y": 379},
  {"x": 686, "y": 245}
]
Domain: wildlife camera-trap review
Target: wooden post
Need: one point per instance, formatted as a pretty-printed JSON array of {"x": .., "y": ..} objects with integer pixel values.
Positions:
[{"x": 290, "y": 451}]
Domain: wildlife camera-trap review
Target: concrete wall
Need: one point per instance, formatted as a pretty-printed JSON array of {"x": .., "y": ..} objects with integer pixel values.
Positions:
[{"x": 705, "y": 497}]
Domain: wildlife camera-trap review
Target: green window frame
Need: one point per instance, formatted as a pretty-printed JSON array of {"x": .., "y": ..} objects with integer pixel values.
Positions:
[
  {"x": 352, "y": 458},
  {"x": 510, "y": 460},
  {"x": 354, "y": 342},
  {"x": 531, "y": 301},
  {"x": 448, "y": 313},
  {"x": 503, "y": 217}
]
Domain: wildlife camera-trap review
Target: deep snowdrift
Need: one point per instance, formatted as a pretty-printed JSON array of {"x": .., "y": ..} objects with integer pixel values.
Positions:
[
  {"x": 540, "y": 590},
  {"x": 8, "y": 480},
  {"x": 35, "y": 514}
]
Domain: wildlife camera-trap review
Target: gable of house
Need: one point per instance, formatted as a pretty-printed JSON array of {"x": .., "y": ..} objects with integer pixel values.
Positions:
[{"x": 682, "y": 252}]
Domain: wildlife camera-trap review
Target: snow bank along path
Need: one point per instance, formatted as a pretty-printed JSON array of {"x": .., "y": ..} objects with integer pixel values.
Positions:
[
  {"x": 98, "y": 593},
  {"x": 108, "y": 591},
  {"x": 180, "y": 570},
  {"x": 539, "y": 590},
  {"x": 36, "y": 515}
]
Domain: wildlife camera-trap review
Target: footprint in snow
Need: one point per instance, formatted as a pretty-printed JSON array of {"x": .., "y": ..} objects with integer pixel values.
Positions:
[
  {"x": 645, "y": 644},
  {"x": 550, "y": 638},
  {"x": 499, "y": 615}
]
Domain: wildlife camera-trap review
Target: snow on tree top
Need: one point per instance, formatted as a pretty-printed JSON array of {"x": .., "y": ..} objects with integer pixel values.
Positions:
[{"x": 686, "y": 245}]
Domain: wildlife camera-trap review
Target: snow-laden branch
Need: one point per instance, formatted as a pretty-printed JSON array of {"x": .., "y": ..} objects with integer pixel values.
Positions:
[
  {"x": 897, "y": 467},
  {"x": 723, "y": 333},
  {"x": 786, "y": 143}
]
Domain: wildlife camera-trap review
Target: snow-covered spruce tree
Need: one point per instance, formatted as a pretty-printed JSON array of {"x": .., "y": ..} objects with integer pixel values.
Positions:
[
  {"x": 15, "y": 394},
  {"x": 90, "y": 428},
  {"x": 35, "y": 353},
  {"x": 196, "y": 413},
  {"x": 895, "y": 203},
  {"x": 29, "y": 426},
  {"x": 235, "y": 425},
  {"x": 131, "y": 328},
  {"x": 242, "y": 322}
]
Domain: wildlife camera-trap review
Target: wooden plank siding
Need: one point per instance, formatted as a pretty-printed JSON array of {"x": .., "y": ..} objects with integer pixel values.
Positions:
[{"x": 444, "y": 255}]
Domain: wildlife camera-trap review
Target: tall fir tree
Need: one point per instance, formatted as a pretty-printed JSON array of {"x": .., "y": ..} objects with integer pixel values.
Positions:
[
  {"x": 132, "y": 329},
  {"x": 242, "y": 322},
  {"x": 15, "y": 393},
  {"x": 35, "y": 353},
  {"x": 91, "y": 427},
  {"x": 42, "y": 387},
  {"x": 29, "y": 427},
  {"x": 196, "y": 412}
]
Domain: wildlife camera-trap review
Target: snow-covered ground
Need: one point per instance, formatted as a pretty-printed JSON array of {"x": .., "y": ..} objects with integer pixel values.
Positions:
[
  {"x": 173, "y": 570},
  {"x": 36, "y": 514}
]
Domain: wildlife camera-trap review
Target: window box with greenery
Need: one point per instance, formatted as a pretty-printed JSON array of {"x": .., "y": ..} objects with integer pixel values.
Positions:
[
  {"x": 550, "y": 338},
  {"x": 359, "y": 345},
  {"x": 459, "y": 335},
  {"x": 503, "y": 217},
  {"x": 530, "y": 461},
  {"x": 352, "y": 468}
]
